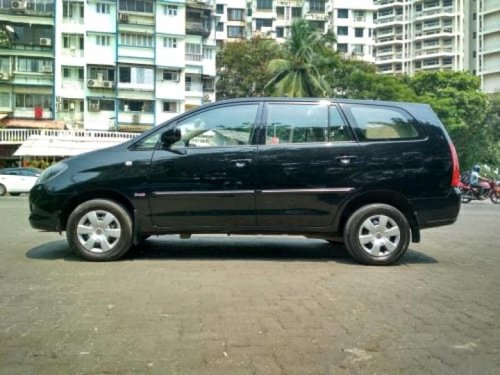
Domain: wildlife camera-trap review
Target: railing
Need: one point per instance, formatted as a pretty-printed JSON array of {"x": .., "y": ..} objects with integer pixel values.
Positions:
[
  {"x": 192, "y": 86},
  {"x": 73, "y": 20},
  {"x": 193, "y": 57},
  {"x": 18, "y": 136}
]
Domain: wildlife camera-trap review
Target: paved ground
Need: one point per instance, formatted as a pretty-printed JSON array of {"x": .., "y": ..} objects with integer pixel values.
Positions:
[{"x": 244, "y": 305}]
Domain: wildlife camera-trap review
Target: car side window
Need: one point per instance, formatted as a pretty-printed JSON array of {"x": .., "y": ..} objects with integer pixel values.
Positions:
[
  {"x": 219, "y": 127},
  {"x": 339, "y": 130},
  {"x": 148, "y": 143},
  {"x": 296, "y": 123},
  {"x": 380, "y": 123}
]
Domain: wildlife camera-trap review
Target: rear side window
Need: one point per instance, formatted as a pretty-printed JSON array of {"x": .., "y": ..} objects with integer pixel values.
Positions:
[
  {"x": 304, "y": 123},
  {"x": 382, "y": 123}
]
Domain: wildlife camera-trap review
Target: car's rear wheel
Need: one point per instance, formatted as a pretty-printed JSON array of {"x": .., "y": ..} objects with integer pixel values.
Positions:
[
  {"x": 3, "y": 190},
  {"x": 99, "y": 230},
  {"x": 377, "y": 234}
]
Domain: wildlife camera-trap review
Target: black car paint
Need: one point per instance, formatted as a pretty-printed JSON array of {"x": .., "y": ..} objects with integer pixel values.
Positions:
[{"x": 208, "y": 190}]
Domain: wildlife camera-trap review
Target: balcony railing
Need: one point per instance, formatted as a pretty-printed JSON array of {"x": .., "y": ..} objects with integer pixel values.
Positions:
[
  {"x": 193, "y": 86},
  {"x": 193, "y": 57},
  {"x": 18, "y": 136}
]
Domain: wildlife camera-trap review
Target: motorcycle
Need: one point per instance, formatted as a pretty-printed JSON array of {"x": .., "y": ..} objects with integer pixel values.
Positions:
[{"x": 491, "y": 189}]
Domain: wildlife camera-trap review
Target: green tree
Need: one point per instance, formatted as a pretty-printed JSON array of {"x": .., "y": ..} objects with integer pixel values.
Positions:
[
  {"x": 306, "y": 56},
  {"x": 358, "y": 80},
  {"x": 242, "y": 68},
  {"x": 462, "y": 107}
]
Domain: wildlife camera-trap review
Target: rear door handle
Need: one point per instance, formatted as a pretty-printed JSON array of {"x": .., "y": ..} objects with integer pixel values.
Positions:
[{"x": 240, "y": 163}]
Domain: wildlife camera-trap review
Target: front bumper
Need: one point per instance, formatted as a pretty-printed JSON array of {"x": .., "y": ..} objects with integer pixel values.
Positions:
[{"x": 45, "y": 209}]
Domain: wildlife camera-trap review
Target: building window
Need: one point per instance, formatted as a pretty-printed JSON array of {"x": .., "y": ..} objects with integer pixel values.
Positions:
[
  {"x": 265, "y": 4},
  {"x": 235, "y": 14},
  {"x": 342, "y": 13},
  {"x": 102, "y": 40},
  {"x": 342, "y": 30},
  {"x": 220, "y": 26},
  {"x": 169, "y": 42},
  {"x": 141, "y": 6},
  {"x": 138, "y": 75},
  {"x": 193, "y": 52},
  {"x": 208, "y": 54},
  {"x": 103, "y": 8},
  {"x": 33, "y": 65},
  {"x": 296, "y": 12},
  {"x": 101, "y": 73},
  {"x": 447, "y": 3},
  {"x": 263, "y": 22},
  {"x": 169, "y": 107},
  {"x": 170, "y": 10},
  {"x": 4, "y": 99},
  {"x": 235, "y": 31},
  {"x": 317, "y": 6},
  {"x": 342, "y": 47},
  {"x": 127, "y": 105},
  {"x": 358, "y": 32},
  {"x": 358, "y": 49},
  {"x": 33, "y": 100},
  {"x": 280, "y": 32},
  {"x": 136, "y": 40},
  {"x": 171, "y": 75},
  {"x": 219, "y": 9}
]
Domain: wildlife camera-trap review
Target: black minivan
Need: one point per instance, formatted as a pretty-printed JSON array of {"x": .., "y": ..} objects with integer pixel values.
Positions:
[{"x": 370, "y": 173}]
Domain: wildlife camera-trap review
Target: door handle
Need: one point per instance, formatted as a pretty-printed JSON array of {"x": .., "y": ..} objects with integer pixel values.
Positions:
[
  {"x": 240, "y": 163},
  {"x": 346, "y": 159}
]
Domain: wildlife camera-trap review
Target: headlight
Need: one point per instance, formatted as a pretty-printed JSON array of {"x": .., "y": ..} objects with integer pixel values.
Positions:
[{"x": 52, "y": 172}]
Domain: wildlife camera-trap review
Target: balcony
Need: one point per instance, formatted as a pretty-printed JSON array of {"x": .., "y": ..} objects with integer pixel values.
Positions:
[
  {"x": 388, "y": 20},
  {"x": 197, "y": 28},
  {"x": 192, "y": 57},
  {"x": 433, "y": 12},
  {"x": 143, "y": 19},
  {"x": 18, "y": 136}
]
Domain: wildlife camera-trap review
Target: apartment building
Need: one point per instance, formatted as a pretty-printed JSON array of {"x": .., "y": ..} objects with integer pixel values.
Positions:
[
  {"x": 241, "y": 19},
  {"x": 414, "y": 35},
  {"x": 353, "y": 26},
  {"x": 101, "y": 65},
  {"x": 485, "y": 37}
]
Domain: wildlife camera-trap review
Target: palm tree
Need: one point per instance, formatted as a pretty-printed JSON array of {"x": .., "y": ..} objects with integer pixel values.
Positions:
[{"x": 299, "y": 73}]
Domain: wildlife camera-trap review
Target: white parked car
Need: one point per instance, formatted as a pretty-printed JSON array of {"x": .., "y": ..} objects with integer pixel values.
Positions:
[{"x": 17, "y": 180}]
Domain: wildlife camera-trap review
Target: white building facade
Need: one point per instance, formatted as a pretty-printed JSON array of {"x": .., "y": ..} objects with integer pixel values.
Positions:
[
  {"x": 414, "y": 35},
  {"x": 485, "y": 61},
  {"x": 108, "y": 65}
]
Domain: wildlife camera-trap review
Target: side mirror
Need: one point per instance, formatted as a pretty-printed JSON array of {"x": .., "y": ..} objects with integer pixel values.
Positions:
[{"x": 170, "y": 136}]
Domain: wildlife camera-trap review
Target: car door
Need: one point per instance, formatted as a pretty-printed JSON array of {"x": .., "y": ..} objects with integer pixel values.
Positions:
[
  {"x": 15, "y": 181},
  {"x": 306, "y": 166},
  {"x": 207, "y": 180}
]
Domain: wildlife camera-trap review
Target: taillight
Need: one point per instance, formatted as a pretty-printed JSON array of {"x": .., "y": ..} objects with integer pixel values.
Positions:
[{"x": 455, "y": 176}]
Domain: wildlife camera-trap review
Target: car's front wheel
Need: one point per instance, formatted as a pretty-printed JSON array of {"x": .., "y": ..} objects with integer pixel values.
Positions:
[
  {"x": 377, "y": 234},
  {"x": 100, "y": 230}
]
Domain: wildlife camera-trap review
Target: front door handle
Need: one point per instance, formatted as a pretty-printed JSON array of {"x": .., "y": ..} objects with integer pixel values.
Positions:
[
  {"x": 240, "y": 163},
  {"x": 346, "y": 159}
]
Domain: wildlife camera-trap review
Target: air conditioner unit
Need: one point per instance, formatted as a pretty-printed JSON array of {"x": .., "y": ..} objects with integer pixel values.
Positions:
[
  {"x": 95, "y": 83},
  {"x": 47, "y": 69},
  {"x": 107, "y": 84},
  {"x": 123, "y": 17},
  {"x": 18, "y": 5},
  {"x": 45, "y": 42},
  {"x": 94, "y": 106},
  {"x": 136, "y": 118}
]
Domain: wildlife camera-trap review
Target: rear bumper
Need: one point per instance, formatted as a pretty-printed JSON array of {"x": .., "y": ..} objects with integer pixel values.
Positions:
[{"x": 436, "y": 212}]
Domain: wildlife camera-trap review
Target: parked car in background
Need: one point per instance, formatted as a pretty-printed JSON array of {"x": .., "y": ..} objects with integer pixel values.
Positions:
[
  {"x": 370, "y": 173},
  {"x": 18, "y": 180}
]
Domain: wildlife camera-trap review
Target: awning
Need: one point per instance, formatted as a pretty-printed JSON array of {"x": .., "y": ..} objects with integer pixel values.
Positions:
[
  {"x": 37, "y": 124},
  {"x": 63, "y": 146}
]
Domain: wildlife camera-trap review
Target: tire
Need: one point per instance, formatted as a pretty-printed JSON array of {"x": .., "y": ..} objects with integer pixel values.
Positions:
[
  {"x": 495, "y": 197},
  {"x": 465, "y": 198},
  {"x": 3, "y": 190},
  {"x": 15, "y": 194},
  {"x": 99, "y": 230},
  {"x": 377, "y": 234}
]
